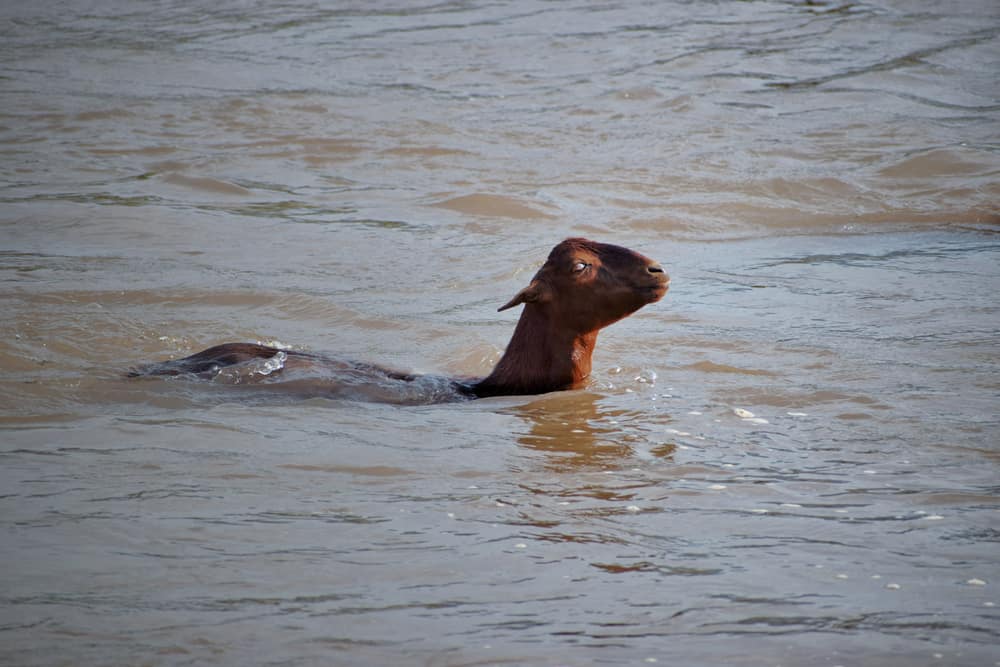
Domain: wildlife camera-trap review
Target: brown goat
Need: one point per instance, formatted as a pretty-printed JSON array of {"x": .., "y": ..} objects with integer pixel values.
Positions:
[{"x": 583, "y": 287}]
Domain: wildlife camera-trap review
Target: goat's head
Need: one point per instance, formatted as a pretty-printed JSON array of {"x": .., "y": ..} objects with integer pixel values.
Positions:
[{"x": 585, "y": 285}]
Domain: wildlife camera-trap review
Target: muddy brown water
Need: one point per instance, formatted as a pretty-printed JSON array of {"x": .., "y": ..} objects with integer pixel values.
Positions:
[{"x": 790, "y": 460}]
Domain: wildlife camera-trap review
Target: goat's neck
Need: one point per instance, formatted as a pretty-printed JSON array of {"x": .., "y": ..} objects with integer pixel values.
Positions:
[{"x": 541, "y": 356}]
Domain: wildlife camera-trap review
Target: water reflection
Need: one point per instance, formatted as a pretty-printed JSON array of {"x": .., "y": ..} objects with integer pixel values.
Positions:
[
  {"x": 579, "y": 469},
  {"x": 578, "y": 431}
]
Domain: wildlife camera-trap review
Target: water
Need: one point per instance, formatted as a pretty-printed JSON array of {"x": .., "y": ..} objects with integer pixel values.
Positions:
[{"x": 819, "y": 179}]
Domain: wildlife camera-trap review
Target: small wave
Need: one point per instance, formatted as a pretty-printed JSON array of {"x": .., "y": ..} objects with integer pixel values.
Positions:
[{"x": 493, "y": 206}]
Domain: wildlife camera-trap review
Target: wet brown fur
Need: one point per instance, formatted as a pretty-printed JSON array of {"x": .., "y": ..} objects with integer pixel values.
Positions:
[{"x": 583, "y": 287}]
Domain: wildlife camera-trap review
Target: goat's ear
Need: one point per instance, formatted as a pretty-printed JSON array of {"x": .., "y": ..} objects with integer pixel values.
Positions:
[{"x": 529, "y": 294}]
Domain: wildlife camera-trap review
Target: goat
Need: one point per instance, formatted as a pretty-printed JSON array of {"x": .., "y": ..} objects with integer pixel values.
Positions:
[{"x": 583, "y": 287}]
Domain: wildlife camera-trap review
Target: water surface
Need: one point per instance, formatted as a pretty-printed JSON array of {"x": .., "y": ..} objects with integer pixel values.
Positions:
[{"x": 791, "y": 459}]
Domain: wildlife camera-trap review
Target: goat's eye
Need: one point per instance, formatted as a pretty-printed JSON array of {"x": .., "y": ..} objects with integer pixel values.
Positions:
[{"x": 579, "y": 267}]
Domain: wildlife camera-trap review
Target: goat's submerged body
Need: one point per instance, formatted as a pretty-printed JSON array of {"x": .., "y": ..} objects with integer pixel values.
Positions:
[
  {"x": 583, "y": 287},
  {"x": 262, "y": 368}
]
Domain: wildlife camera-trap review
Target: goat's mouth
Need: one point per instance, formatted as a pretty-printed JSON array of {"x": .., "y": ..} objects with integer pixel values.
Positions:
[{"x": 657, "y": 289}]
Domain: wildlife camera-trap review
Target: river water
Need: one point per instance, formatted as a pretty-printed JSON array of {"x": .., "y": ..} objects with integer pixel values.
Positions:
[{"x": 791, "y": 460}]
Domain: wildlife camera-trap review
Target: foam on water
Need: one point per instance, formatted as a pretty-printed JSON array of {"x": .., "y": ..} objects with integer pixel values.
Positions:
[{"x": 250, "y": 371}]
